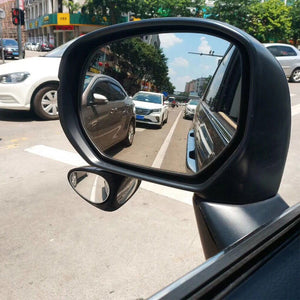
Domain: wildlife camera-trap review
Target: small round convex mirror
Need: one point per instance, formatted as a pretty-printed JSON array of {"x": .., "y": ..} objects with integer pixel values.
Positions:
[{"x": 90, "y": 186}]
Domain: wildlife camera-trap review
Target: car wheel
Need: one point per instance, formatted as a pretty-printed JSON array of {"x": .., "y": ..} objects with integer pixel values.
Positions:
[
  {"x": 130, "y": 134},
  {"x": 295, "y": 77},
  {"x": 45, "y": 102}
]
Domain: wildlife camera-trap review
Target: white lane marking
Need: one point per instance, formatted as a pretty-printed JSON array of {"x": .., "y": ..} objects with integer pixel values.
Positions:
[
  {"x": 176, "y": 194},
  {"x": 94, "y": 190},
  {"x": 295, "y": 109},
  {"x": 75, "y": 160},
  {"x": 292, "y": 95},
  {"x": 139, "y": 129},
  {"x": 63, "y": 156},
  {"x": 163, "y": 149}
]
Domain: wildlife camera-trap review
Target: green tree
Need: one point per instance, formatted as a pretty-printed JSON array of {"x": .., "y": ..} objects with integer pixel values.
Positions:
[
  {"x": 270, "y": 21},
  {"x": 138, "y": 61},
  {"x": 295, "y": 21},
  {"x": 113, "y": 10},
  {"x": 72, "y": 6},
  {"x": 234, "y": 12}
]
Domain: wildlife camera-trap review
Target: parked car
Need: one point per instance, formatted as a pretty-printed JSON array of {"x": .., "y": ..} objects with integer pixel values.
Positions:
[
  {"x": 190, "y": 108},
  {"x": 289, "y": 58},
  {"x": 108, "y": 112},
  {"x": 34, "y": 46},
  {"x": 32, "y": 83},
  {"x": 10, "y": 48},
  {"x": 27, "y": 46},
  {"x": 150, "y": 108},
  {"x": 44, "y": 47}
]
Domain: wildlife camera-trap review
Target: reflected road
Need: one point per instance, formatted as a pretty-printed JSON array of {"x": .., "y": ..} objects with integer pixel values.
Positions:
[{"x": 152, "y": 144}]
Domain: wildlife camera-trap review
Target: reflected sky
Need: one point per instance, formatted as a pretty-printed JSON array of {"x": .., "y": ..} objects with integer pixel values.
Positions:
[{"x": 184, "y": 67}]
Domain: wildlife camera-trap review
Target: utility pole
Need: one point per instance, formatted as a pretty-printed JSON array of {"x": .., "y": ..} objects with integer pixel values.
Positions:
[
  {"x": 19, "y": 28},
  {"x": 2, "y": 16}
]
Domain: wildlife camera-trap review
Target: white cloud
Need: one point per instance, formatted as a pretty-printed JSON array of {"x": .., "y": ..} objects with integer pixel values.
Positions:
[
  {"x": 172, "y": 72},
  {"x": 168, "y": 40},
  {"x": 180, "y": 62},
  {"x": 204, "y": 47},
  {"x": 180, "y": 82}
]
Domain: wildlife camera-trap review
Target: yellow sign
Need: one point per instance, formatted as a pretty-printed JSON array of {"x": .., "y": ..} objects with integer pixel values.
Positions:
[{"x": 63, "y": 19}]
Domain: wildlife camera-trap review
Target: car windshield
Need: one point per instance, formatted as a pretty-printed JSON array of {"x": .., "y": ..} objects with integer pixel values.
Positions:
[
  {"x": 194, "y": 102},
  {"x": 59, "y": 51},
  {"x": 152, "y": 98},
  {"x": 10, "y": 43}
]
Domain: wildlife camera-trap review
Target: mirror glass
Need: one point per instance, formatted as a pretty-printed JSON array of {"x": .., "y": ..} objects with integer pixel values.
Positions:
[
  {"x": 169, "y": 101},
  {"x": 89, "y": 186}
]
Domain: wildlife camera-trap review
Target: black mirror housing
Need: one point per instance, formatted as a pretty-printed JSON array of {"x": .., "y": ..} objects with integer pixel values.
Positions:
[{"x": 251, "y": 168}]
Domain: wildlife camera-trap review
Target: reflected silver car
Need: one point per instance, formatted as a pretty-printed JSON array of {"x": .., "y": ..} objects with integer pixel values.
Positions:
[{"x": 289, "y": 58}]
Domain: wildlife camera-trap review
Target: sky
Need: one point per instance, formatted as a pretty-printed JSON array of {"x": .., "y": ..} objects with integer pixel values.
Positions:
[{"x": 183, "y": 66}]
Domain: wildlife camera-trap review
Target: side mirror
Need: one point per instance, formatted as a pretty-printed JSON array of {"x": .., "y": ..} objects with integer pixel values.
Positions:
[
  {"x": 99, "y": 99},
  {"x": 238, "y": 157},
  {"x": 102, "y": 189}
]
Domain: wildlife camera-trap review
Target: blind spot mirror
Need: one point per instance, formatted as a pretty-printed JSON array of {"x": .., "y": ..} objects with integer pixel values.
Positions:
[
  {"x": 178, "y": 95},
  {"x": 104, "y": 190}
]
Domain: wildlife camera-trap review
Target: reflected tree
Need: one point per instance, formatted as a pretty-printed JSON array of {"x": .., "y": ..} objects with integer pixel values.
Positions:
[{"x": 136, "y": 64}]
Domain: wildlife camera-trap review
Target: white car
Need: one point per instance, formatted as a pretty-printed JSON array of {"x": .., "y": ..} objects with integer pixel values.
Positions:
[
  {"x": 289, "y": 58},
  {"x": 150, "y": 108},
  {"x": 190, "y": 108},
  {"x": 32, "y": 83}
]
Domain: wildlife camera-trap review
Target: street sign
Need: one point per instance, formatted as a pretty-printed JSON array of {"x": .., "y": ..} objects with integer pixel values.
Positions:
[{"x": 2, "y": 14}]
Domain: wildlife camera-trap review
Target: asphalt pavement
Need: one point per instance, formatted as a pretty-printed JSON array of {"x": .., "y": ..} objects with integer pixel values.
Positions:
[{"x": 56, "y": 246}]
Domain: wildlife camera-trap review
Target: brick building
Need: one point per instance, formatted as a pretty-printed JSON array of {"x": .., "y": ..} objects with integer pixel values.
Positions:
[{"x": 9, "y": 30}]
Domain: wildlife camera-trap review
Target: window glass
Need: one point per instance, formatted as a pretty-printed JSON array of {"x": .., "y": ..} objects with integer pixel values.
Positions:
[
  {"x": 224, "y": 92},
  {"x": 10, "y": 43},
  {"x": 286, "y": 51},
  {"x": 110, "y": 90},
  {"x": 212, "y": 94},
  {"x": 103, "y": 88},
  {"x": 116, "y": 92},
  {"x": 274, "y": 50}
]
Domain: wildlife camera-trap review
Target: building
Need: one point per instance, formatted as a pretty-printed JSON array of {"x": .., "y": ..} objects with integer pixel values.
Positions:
[
  {"x": 9, "y": 30},
  {"x": 196, "y": 86},
  {"x": 50, "y": 21}
]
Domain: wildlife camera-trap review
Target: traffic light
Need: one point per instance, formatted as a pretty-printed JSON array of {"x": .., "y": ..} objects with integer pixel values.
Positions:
[{"x": 17, "y": 16}]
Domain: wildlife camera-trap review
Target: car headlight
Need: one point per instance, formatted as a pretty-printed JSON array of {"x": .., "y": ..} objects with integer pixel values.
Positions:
[
  {"x": 13, "y": 77},
  {"x": 156, "y": 110}
]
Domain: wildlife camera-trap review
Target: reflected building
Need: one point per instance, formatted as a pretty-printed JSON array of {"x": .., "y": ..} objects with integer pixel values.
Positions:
[{"x": 196, "y": 86}]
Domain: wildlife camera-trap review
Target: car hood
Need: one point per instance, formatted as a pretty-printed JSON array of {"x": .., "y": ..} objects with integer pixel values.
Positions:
[
  {"x": 34, "y": 65},
  {"x": 147, "y": 105},
  {"x": 191, "y": 106}
]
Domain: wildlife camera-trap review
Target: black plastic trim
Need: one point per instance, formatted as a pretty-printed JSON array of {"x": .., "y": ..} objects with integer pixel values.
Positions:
[{"x": 263, "y": 128}]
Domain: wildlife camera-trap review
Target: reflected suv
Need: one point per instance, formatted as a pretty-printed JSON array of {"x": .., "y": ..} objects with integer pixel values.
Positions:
[
  {"x": 289, "y": 58},
  {"x": 150, "y": 108}
]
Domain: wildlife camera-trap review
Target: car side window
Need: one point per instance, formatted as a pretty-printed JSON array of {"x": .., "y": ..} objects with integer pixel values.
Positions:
[
  {"x": 286, "y": 51},
  {"x": 224, "y": 93},
  {"x": 274, "y": 50},
  {"x": 116, "y": 92}
]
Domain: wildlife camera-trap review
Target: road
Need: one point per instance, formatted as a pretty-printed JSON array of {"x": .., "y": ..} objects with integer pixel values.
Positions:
[
  {"x": 54, "y": 245},
  {"x": 163, "y": 148}
]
